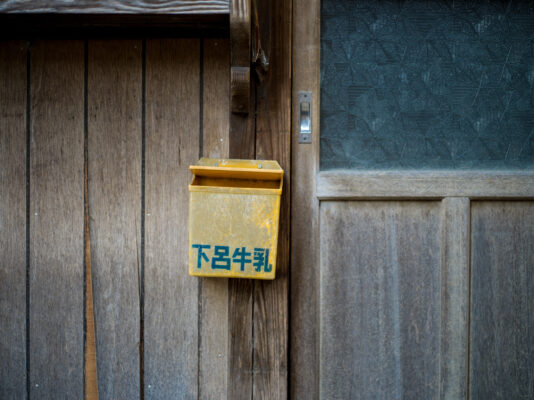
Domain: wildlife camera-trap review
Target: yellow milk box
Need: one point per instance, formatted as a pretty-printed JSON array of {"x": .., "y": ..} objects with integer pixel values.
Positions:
[{"x": 234, "y": 209}]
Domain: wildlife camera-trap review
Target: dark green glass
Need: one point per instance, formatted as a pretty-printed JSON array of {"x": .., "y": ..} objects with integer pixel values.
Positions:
[{"x": 427, "y": 85}]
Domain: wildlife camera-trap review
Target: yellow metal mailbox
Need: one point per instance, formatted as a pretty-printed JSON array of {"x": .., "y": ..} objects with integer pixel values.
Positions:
[{"x": 234, "y": 209}]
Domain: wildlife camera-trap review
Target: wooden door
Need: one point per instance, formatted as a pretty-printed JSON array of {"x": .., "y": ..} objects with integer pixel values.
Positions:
[
  {"x": 413, "y": 277},
  {"x": 126, "y": 118}
]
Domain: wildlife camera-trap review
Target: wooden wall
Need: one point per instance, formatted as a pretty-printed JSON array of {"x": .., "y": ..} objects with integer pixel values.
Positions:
[{"x": 137, "y": 113}]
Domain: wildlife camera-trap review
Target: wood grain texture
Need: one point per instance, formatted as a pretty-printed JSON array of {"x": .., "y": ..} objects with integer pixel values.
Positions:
[
  {"x": 240, "y": 297},
  {"x": 117, "y": 6},
  {"x": 240, "y": 56},
  {"x": 273, "y": 141},
  {"x": 106, "y": 26},
  {"x": 240, "y": 89},
  {"x": 90, "y": 367},
  {"x": 240, "y": 14},
  {"x": 454, "y": 297},
  {"x": 114, "y": 151},
  {"x": 13, "y": 220},
  {"x": 242, "y": 132},
  {"x": 213, "y": 346},
  {"x": 432, "y": 184},
  {"x": 502, "y": 302},
  {"x": 304, "y": 289},
  {"x": 172, "y": 144},
  {"x": 240, "y": 342},
  {"x": 56, "y": 220},
  {"x": 380, "y": 300}
]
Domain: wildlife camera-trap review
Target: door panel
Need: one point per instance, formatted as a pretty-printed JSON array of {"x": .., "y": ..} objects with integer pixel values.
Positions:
[
  {"x": 380, "y": 299},
  {"x": 502, "y": 306}
]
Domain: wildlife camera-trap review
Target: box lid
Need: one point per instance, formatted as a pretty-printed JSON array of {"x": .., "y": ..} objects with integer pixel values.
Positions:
[{"x": 266, "y": 170}]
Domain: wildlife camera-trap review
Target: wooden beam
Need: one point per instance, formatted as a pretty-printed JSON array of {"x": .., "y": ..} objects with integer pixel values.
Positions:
[
  {"x": 59, "y": 26},
  {"x": 116, "y": 7},
  {"x": 240, "y": 55},
  {"x": 120, "y": 18}
]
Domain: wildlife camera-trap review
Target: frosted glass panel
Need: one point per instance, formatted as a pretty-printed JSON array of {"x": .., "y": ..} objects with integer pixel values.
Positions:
[{"x": 427, "y": 84}]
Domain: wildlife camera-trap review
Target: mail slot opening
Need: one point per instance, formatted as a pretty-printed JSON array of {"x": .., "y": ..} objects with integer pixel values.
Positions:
[{"x": 238, "y": 183}]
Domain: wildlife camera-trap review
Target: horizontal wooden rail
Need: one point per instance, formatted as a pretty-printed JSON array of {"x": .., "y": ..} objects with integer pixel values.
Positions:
[
  {"x": 116, "y": 7},
  {"x": 55, "y": 18},
  {"x": 338, "y": 185}
]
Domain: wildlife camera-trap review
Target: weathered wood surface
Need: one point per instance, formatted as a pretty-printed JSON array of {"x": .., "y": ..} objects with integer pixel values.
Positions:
[
  {"x": 116, "y": 6},
  {"x": 240, "y": 309},
  {"x": 240, "y": 296},
  {"x": 454, "y": 297},
  {"x": 90, "y": 369},
  {"x": 117, "y": 18},
  {"x": 304, "y": 290},
  {"x": 502, "y": 288},
  {"x": 13, "y": 220},
  {"x": 273, "y": 141},
  {"x": 242, "y": 129},
  {"x": 240, "y": 56},
  {"x": 420, "y": 184},
  {"x": 56, "y": 220},
  {"x": 219, "y": 316},
  {"x": 380, "y": 300},
  {"x": 172, "y": 144},
  {"x": 114, "y": 150},
  {"x": 213, "y": 333}
]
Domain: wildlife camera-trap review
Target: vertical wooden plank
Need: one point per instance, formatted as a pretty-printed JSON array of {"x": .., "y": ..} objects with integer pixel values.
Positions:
[
  {"x": 172, "y": 144},
  {"x": 90, "y": 367},
  {"x": 13, "y": 220},
  {"x": 56, "y": 220},
  {"x": 273, "y": 141},
  {"x": 454, "y": 297},
  {"x": 502, "y": 301},
  {"x": 304, "y": 289},
  {"x": 114, "y": 164},
  {"x": 241, "y": 145},
  {"x": 215, "y": 118},
  {"x": 213, "y": 353},
  {"x": 380, "y": 300},
  {"x": 240, "y": 338}
]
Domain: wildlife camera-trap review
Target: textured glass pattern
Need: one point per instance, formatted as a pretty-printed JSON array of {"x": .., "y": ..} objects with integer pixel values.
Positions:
[{"x": 427, "y": 84}]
